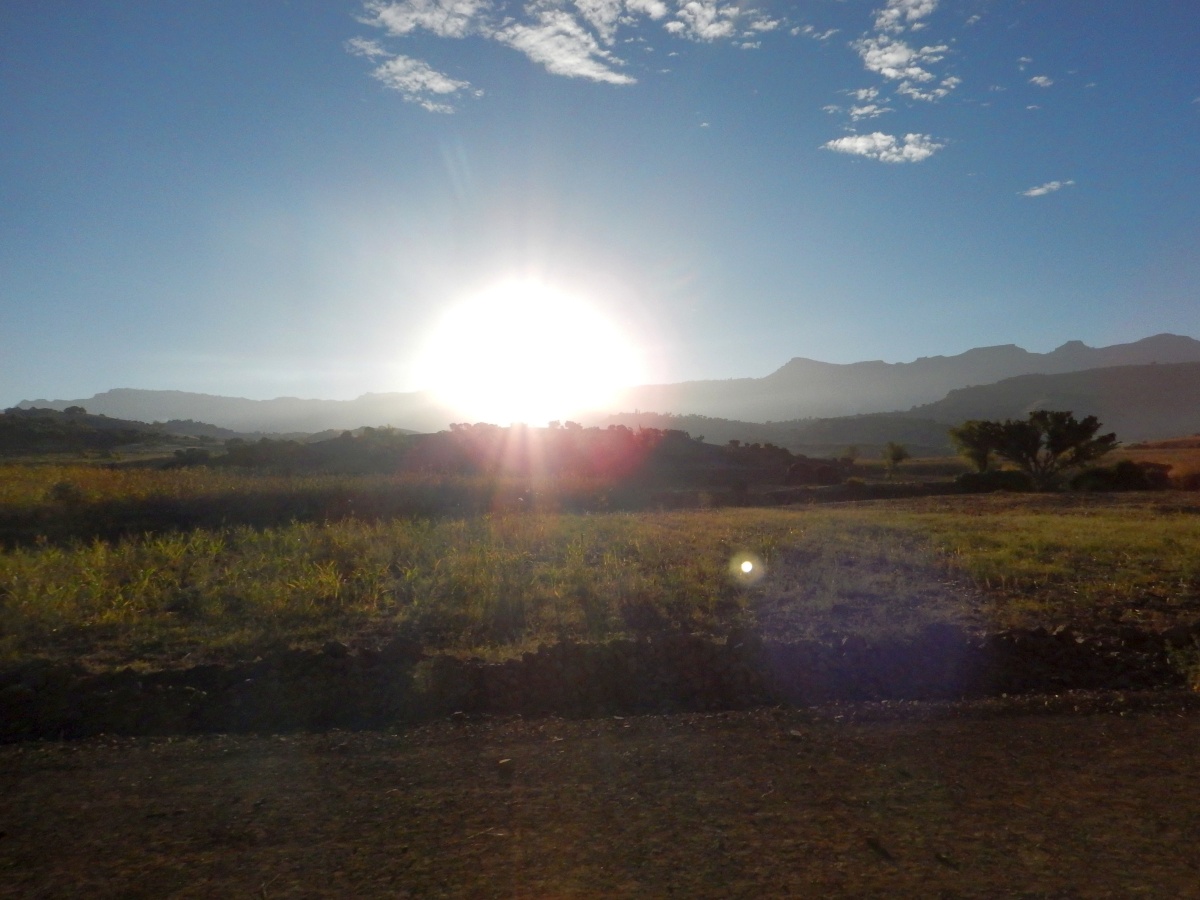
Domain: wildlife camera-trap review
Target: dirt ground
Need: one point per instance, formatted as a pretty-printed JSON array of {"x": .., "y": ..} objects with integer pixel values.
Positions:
[{"x": 1075, "y": 796}]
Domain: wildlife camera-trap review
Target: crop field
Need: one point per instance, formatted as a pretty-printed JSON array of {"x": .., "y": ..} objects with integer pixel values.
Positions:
[{"x": 486, "y": 574}]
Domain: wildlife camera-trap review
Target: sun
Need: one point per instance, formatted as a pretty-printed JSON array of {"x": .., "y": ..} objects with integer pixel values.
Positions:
[{"x": 525, "y": 352}]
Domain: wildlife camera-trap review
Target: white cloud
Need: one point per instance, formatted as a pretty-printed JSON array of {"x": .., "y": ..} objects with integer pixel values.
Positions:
[
  {"x": 831, "y": 108},
  {"x": 932, "y": 94},
  {"x": 564, "y": 47},
  {"x": 1041, "y": 81},
  {"x": 899, "y": 13},
  {"x": 811, "y": 32},
  {"x": 973, "y": 20},
  {"x": 572, "y": 38},
  {"x": 886, "y": 147},
  {"x": 602, "y": 15},
  {"x": 704, "y": 20},
  {"x": 1048, "y": 188},
  {"x": 1033, "y": 106},
  {"x": 364, "y": 47},
  {"x": 868, "y": 111},
  {"x": 655, "y": 9},
  {"x": 420, "y": 84},
  {"x": 445, "y": 18},
  {"x": 865, "y": 95},
  {"x": 896, "y": 60},
  {"x": 1023, "y": 61}
]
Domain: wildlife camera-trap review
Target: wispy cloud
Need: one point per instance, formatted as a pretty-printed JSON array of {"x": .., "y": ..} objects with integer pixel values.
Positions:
[
  {"x": 570, "y": 38},
  {"x": 887, "y": 148},
  {"x": 1048, "y": 188},
  {"x": 899, "y": 14},
  {"x": 418, "y": 83},
  {"x": 564, "y": 47},
  {"x": 445, "y": 18},
  {"x": 929, "y": 94},
  {"x": 1041, "y": 80},
  {"x": 868, "y": 111},
  {"x": 888, "y": 55},
  {"x": 809, "y": 31},
  {"x": 896, "y": 60},
  {"x": 704, "y": 20},
  {"x": 908, "y": 70}
]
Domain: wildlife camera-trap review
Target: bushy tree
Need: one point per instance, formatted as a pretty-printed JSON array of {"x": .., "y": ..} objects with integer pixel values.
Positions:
[
  {"x": 893, "y": 455},
  {"x": 1044, "y": 446},
  {"x": 977, "y": 441}
]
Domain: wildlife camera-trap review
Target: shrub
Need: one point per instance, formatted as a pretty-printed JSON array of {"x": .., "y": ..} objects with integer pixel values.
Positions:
[
  {"x": 1126, "y": 475},
  {"x": 994, "y": 480}
]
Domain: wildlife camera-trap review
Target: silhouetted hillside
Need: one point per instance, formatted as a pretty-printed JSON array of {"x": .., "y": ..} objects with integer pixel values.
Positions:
[
  {"x": 1139, "y": 403},
  {"x": 813, "y": 437},
  {"x": 283, "y": 415},
  {"x": 801, "y": 390},
  {"x": 805, "y": 388},
  {"x": 40, "y": 431}
]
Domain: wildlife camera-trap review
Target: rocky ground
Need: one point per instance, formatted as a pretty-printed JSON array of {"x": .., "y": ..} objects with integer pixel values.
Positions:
[{"x": 1068, "y": 795}]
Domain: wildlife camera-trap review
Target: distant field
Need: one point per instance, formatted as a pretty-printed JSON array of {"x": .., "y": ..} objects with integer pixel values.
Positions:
[
  {"x": 1181, "y": 454},
  {"x": 502, "y": 581}
]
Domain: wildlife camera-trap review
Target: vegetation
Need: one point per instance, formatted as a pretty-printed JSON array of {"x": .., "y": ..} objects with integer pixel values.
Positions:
[
  {"x": 1043, "y": 446},
  {"x": 893, "y": 455},
  {"x": 499, "y": 582},
  {"x": 492, "y": 540},
  {"x": 41, "y": 431}
]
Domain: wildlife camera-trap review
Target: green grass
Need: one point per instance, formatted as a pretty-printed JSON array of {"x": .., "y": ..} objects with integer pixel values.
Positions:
[{"x": 498, "y": 583}]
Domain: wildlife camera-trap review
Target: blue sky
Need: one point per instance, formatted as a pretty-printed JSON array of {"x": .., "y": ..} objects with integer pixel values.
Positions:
[{"x": 281, "y": 198}]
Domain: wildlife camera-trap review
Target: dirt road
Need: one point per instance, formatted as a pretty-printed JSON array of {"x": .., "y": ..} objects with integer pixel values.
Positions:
[{"x": 1075, "y": 797}]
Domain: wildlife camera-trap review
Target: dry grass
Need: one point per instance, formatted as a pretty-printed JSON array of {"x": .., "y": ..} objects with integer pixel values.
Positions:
[
  {"x": 1182, "y": 455},
  {"x": 501, "y": 582}
]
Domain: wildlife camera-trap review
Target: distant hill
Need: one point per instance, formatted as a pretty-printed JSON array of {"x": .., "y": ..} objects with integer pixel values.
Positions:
[
  {"x": 283, "y": 415},
  {"x": 805, "y": 388},
  {"x": 1139, "y": 403},
  {"x": 41, "y": 431},
  {"x": 801, "y": 390},
  {"x": 826, "y": 437}
]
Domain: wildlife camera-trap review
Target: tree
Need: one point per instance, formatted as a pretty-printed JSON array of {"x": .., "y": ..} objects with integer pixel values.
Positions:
[
  {"x": 893, "y": 455},
  {"x": 1044, "y": 446},
  {"x": 977, "y": 441}
]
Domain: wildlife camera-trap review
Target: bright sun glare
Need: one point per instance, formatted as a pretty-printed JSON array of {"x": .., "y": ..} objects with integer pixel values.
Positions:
[{"x": 522, "y": 352}]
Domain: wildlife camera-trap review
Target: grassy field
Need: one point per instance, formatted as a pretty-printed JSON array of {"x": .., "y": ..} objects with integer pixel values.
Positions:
[{"x": 501, "y": 581}]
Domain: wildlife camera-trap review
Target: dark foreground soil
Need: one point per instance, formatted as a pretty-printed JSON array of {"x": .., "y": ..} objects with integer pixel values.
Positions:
[{"x": 1081, "y": 795}]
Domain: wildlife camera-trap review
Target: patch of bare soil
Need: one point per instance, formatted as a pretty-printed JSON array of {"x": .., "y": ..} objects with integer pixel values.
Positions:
[{"x": 1080, "y": 795}]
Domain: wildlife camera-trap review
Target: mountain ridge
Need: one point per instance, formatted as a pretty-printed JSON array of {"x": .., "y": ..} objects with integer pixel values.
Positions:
[{"x": 800, "y": 389}]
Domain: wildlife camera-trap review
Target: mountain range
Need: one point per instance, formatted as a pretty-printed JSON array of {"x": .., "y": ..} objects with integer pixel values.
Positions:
[
  {"x": 1146, "y": 389},
  {"x": 805, "y": 388}
]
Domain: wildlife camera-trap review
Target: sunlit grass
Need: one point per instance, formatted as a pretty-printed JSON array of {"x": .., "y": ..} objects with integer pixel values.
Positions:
[
  {"x": 500, "y": 582},
  {"x": 457, "y": 583}
]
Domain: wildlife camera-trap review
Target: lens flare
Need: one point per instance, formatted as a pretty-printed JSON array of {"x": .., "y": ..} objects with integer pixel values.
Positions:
[{"x": 746, "y": 569}]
